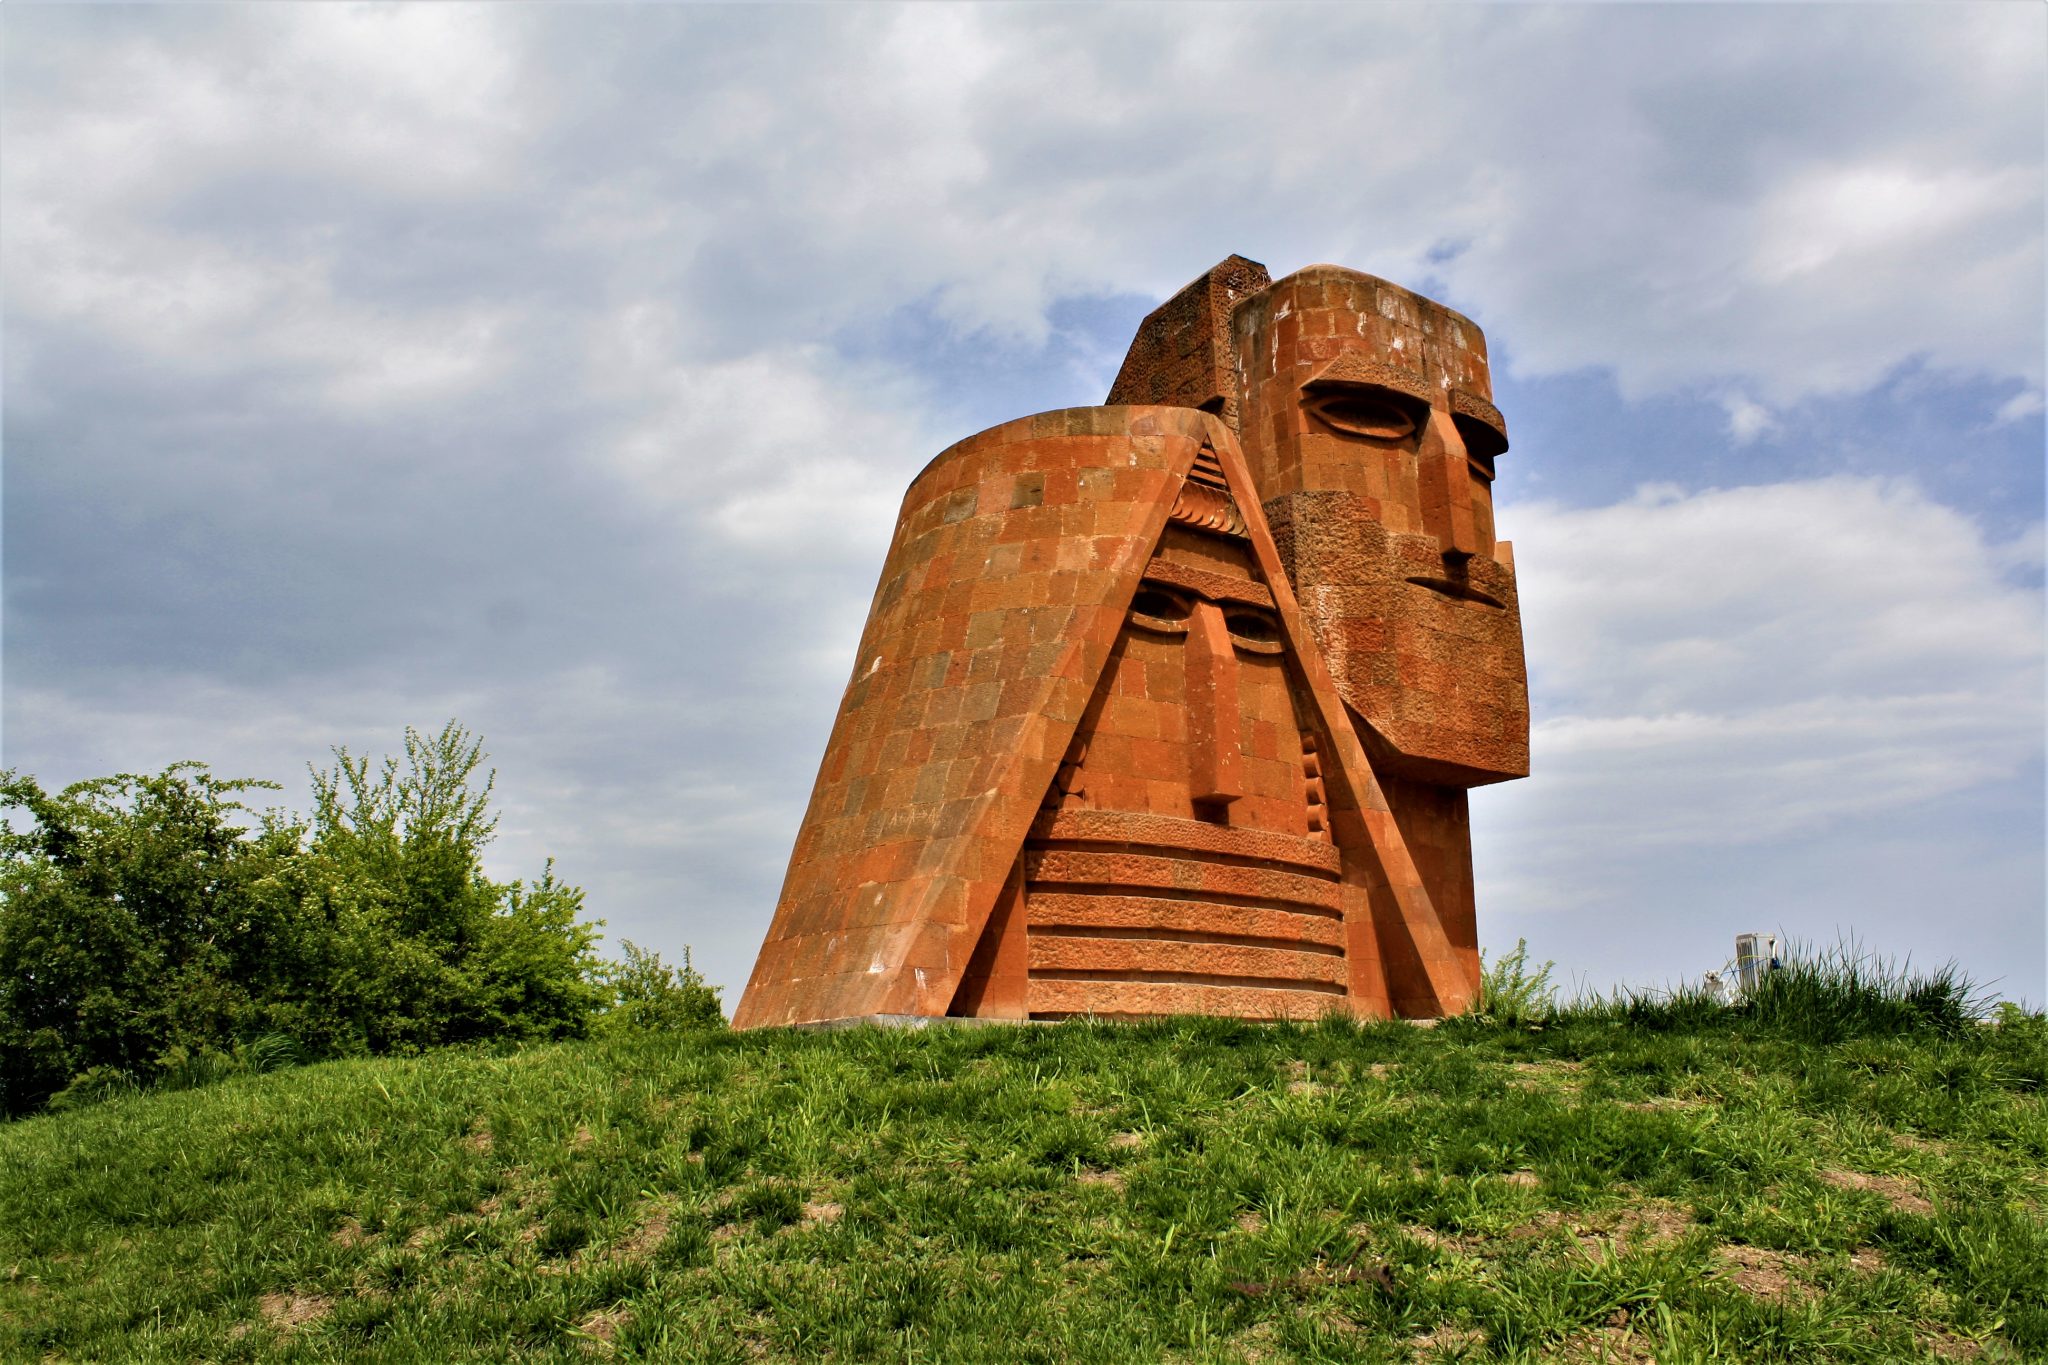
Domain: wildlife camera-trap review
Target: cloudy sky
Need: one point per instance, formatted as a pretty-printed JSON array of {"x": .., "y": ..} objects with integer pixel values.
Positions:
[{"x": 560, "y": 369}]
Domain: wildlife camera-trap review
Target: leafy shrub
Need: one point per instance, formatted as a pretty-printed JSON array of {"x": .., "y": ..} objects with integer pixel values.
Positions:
[
  {"x": 648, "y": 994},
  {"x": 154, "y": 932},
  {"x": 1511, "y": 992},
  {"x": 140, "y": 924},
  {"x": 424, "y": 949}
]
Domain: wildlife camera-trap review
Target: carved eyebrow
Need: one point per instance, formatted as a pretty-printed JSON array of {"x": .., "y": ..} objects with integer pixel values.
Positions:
[
  {"x": 1214, "y": 586},
  {"x": 1353, "y": 370},
  {"x": 1364, "y": 388},
  {"x": 1480, "y": 423}
]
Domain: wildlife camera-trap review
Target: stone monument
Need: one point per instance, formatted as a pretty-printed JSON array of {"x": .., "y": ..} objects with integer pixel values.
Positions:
[{"x": 1170, "y": 706}]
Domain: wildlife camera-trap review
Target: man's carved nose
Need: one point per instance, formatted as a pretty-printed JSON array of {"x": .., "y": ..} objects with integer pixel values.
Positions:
[
  {"x": 1452, "y": 520},
  {"x": 1215, "y": 751}
]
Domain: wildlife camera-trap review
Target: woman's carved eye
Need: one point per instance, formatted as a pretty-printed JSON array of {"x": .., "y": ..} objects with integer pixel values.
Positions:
[
  {"x": 1253, "y": 631},
  {"x": 1254, "y": 626},
  {"x": 1163, "y": 606},
  {"x": 1365, "y": 415}
]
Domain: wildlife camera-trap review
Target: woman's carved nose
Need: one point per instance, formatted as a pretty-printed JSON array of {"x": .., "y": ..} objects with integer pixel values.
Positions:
[{"x": 1215, "y": 751}]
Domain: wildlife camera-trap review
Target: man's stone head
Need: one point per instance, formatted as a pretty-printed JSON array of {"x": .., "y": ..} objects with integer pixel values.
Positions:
[{"x": 1366, "y": 416}]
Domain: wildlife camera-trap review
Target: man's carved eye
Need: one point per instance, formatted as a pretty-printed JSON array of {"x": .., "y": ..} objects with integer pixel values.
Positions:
[
  {"x": 1161, "y": 606},
  {"x": 1364, "y": 414}
]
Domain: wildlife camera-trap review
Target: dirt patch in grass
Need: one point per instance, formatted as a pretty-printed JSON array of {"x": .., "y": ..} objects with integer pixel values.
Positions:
[
  {"x": 1544, "y": 1222},
  {"x": 1614, "y": 1343},
  {"x": 581, "y": 1138},
  {"x": 823, "y": 1213},
  {"x": 1447, "y": 1341},
  {"x": 1251, "y": 1222},
  {"x": 1563, "y": 1077},
  {"x": 1113, "y": 1179},
  {"x": 1764, "y": 1273},
  {"x": 1300, "y": 1081},
  {"x": 289, "y": 1312},
  {"x": 479, "y": 1140},
  {"x": 1949, "y": 1346},
  {"x": 1654, "y": 1223},
  {"x": 1522, "y": 1179},
  {"x": 599, "y": 1330},
  {"x": 1662, "y": 1104},
  {"x": 1307, "y": 1281},
  {"x": 1438, "y": 1240},
  {"x": 1620, "y": 1232},
  {"x": 1125, "y": 1142},
  {"x": 1913, "y": 1142},
  {"x": 1869, "y": 1260},
  {"x": 350, "y": 1235},
  {"x": 642, "y": 1240},
  {"x": 1257, "y": 1344},
  {"x": 1903, "y": 1194}
]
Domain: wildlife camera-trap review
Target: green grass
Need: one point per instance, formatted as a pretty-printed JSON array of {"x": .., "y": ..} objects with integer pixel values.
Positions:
[{"x": 1634, "y": 1181}]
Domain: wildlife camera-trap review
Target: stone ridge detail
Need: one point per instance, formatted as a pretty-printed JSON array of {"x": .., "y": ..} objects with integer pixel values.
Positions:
[
  {"x": 1170, "y": 705},
  {"x": 1208, "y": 509}
]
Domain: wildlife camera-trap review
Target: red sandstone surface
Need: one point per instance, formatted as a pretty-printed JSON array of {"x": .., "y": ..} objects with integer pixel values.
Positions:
[{"x": 1170, "y": 706}]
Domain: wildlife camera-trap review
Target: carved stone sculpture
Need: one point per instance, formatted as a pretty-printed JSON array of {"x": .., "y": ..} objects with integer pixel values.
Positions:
[{"x": 1171, "y": 706}]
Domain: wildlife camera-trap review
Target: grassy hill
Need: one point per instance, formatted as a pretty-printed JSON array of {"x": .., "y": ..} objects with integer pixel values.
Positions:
[{"x": 1671, "y": 1184}]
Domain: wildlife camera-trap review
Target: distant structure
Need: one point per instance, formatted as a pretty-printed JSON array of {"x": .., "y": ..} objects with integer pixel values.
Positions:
[{"x": 1171, "y": 706}]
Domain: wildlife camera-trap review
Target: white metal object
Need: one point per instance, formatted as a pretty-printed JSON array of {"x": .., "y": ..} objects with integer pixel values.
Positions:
[{"x": 1756, "y": 956}]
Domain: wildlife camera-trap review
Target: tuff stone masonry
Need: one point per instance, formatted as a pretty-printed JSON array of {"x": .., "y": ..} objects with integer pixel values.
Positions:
[{"x": 1170, "y": 706}]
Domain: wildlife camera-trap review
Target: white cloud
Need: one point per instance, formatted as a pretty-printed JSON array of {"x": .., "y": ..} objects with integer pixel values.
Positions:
[
  {"x": 1740, "y": 679},
  {"x": 1665, "y": 192},
  {"x": 1747, "y": 418},
  {"x": 1811, "y": 707},
  {"x": 145, "y": 165},
  {"x": 2022, "y": 405},
  {"x": 1845, "y": 587},
  {"x": 783, "y": 448}
]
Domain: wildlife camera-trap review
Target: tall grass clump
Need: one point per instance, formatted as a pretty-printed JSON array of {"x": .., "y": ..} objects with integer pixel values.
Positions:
[
  {"x": 1845, "y": 992},
  {"x": 1822, "y": 996}
]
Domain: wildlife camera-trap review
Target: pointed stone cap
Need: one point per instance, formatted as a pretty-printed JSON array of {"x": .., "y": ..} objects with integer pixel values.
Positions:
[{"x": 1182, "y": 354}]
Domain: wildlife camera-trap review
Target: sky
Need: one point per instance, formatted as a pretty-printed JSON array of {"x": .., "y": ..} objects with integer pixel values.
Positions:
[{"x": 560, "y": 369}]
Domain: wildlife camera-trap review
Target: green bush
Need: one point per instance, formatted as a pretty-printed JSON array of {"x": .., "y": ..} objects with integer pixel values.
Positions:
[
  {"x": 648, "y": 994},
  {"x": 154, "y": 932},
  {"x": 140, "y": 925},
  {"x": 1512, "y": 993}
]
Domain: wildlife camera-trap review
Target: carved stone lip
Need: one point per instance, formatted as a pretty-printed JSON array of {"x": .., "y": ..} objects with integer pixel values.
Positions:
[{"x": 1464, "y": 592}]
